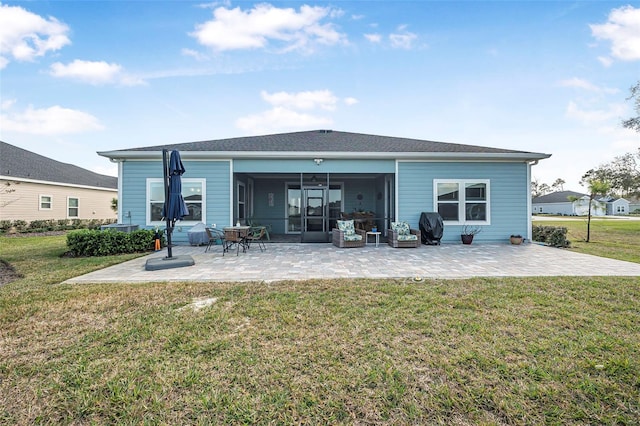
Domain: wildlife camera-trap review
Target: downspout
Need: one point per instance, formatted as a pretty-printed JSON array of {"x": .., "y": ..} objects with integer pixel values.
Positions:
[
  {"x": 120, "y": 166},
  {"x": 529, "y": 206}
]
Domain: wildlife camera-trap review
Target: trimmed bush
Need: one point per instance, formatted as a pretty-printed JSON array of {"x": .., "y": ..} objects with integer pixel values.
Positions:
[
  {"x": 90, "y": 242},
  {"x": 555, "y": 236},
  {"x": 46, "y": 225}
]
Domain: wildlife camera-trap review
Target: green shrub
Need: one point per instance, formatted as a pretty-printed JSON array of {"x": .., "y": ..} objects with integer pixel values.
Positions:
[
  {"x": 91, "y": 242},
  {"x": 5, "y": 225},
  {"x": 555, "y": 236},
  {"x": 20, "y": 225},
  {"x": 42, "y": 225}
]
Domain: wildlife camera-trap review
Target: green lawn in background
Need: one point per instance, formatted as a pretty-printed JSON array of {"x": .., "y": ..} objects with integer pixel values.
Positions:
[
  {"x": 613, "y": 238},
  {"x": 476, "y": 351}
]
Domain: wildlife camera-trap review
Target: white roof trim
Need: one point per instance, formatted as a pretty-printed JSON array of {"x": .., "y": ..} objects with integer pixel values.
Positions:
[
  {"x": 449, "y": 156},
  {"x": 47, "y": 182}
]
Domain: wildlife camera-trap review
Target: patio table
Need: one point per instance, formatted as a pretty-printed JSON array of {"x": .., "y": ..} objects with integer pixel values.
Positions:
[{"x": 235, "y": 235}]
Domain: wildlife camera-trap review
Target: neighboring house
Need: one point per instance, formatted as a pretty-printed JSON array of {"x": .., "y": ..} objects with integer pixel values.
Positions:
[
  {"x": 616, "y": 206},
  {"x": 301, "y": 183},
  {"x": 33, "y": 187},
  {"x": 568, "y": 203},
  {"x": 634, "y": 205}
]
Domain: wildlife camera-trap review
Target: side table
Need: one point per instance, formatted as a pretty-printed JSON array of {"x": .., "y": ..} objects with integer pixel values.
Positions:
[{"x": 376, "y": 234}]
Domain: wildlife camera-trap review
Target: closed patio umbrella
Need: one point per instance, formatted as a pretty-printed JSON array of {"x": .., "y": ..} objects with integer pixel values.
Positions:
[
  {"x": 174, "y": 206},
  {"x": 174, "y": 209}
]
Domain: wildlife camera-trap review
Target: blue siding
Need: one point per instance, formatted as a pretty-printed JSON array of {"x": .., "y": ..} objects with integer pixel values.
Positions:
[
  {"x": 508, "y": 195},
  {"x": 134, "y": 191},
  {"x": 275, "y": 165}
]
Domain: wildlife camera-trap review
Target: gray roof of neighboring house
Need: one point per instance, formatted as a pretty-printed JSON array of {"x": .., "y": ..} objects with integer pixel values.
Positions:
[
  {"x": 324, "y": 141},
  {"x": 557, "y": 197},
  {"x": 22, "y": 164}
]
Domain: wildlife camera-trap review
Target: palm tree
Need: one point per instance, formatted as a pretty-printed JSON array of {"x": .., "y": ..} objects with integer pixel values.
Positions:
[{"x": 596, "y": 187}]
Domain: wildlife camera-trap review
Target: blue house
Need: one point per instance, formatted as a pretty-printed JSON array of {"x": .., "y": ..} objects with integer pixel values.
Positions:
[{"x": 301, "y": 183}]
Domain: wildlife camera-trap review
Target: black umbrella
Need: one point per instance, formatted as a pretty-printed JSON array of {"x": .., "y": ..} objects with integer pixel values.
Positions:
[{"x": 174, "y": 206}]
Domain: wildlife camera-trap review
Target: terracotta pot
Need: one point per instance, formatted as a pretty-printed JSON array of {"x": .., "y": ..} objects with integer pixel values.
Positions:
[
  {"x": 516, "y": 240},
  {"x": 466, "y": 239}
]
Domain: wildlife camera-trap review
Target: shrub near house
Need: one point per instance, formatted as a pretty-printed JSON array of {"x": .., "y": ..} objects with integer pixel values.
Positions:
[{"x": 88, "y": 242}]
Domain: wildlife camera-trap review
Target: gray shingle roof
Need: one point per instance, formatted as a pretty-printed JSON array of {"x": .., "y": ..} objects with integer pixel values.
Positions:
[
  {"x": 557, "y": 197},
  {"x": 325, "y": 141},
  {"x": 20, "y": 163}
]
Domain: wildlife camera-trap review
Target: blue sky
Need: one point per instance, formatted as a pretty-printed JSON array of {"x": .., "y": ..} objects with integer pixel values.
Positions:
[{"x": 78, "y": 77}]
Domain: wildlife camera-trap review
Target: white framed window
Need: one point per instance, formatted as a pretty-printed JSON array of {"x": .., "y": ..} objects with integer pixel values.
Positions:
[
  {"x": 73, "y": 207},
  {"x": 46, "y": 202},
  {"x": 461, "y": 201},
  {"x": 193, "y": 192}
]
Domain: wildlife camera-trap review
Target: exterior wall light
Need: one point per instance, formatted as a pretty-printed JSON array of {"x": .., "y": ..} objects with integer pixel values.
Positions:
[{"x": 318, "y": 161}]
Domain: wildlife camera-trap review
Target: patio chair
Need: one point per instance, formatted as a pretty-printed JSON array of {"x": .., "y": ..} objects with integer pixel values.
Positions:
[
  {"x": 401, "y": 235},
  {"x": 256, "y": 234},
  {"x": 346, "y": 236},
  {"x": 214, "y": 236}
]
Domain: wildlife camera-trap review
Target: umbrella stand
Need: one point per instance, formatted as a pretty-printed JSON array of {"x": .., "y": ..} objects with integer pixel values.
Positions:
[
  {"x": 170, "y": 261},
  {"x": 165, "y": 170}
]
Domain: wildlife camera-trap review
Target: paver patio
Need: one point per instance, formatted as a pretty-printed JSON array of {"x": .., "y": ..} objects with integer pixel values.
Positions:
[{"x": 283, "y": 261}]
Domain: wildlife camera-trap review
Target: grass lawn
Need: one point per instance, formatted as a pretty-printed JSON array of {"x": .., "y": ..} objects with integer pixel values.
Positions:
[
  {"x": 477, "y": 351},
  {"x": 614, "y": 238}
]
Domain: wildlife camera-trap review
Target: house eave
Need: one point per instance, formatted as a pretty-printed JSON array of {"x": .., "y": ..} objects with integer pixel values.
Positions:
[
  {"x": 403, "y": 156},
  {"x": 53, "y": 183}
]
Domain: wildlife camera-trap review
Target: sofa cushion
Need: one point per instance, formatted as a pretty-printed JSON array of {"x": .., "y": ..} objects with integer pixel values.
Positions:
[
  {"x": 410, "y": 237},
  {"x": 347, "y": 227},
  {"x": 352, "y": 237},
  {"x": 402, "y": 228}
]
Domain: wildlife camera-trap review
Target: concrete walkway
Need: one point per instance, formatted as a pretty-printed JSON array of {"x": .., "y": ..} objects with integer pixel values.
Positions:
[{"x": 283, "y": 261}]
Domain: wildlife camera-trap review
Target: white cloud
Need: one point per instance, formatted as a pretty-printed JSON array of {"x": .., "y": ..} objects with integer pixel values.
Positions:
[
  {"x": 234, "y": 29},
  {"x": 594, "y": 116},
  {"x": 94, "y": 72},
  {"x": 279, "y": 119},
  {"x": 111, "y": 170},
  {"x": 7, "y": 104},
  {"x": 402, "y": 39},
  {"x": 25, "y": 35},
  {"x": 350, "y": 101},
  {"x": 194, "y": 54},
  {"x": 373, "y": 38},
  {"x": 622, "y": 29},
  {"x": 307, "y": 100},
  {"x": 605, "y": 61},
  {"x": 287, "y": 111},
  {"x": 580, "y": 83},
  {"x": 54, "y": 120}
]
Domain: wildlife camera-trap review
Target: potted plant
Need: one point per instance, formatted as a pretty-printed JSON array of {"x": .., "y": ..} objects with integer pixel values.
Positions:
[
  {"x": 468, "y": 232},
  {"x": 516, "y": 239}
]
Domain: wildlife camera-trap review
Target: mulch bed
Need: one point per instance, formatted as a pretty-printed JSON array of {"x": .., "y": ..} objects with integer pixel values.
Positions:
[{"x": 7, "y": 273}]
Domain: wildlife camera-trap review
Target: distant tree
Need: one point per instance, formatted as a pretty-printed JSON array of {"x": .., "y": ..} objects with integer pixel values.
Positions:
[
  {"x": 538, "y": 189},
  {"x": 634, "y": 122},
  {"x": 558, "y": 185},
  {"x": 622, "y": 174}
]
